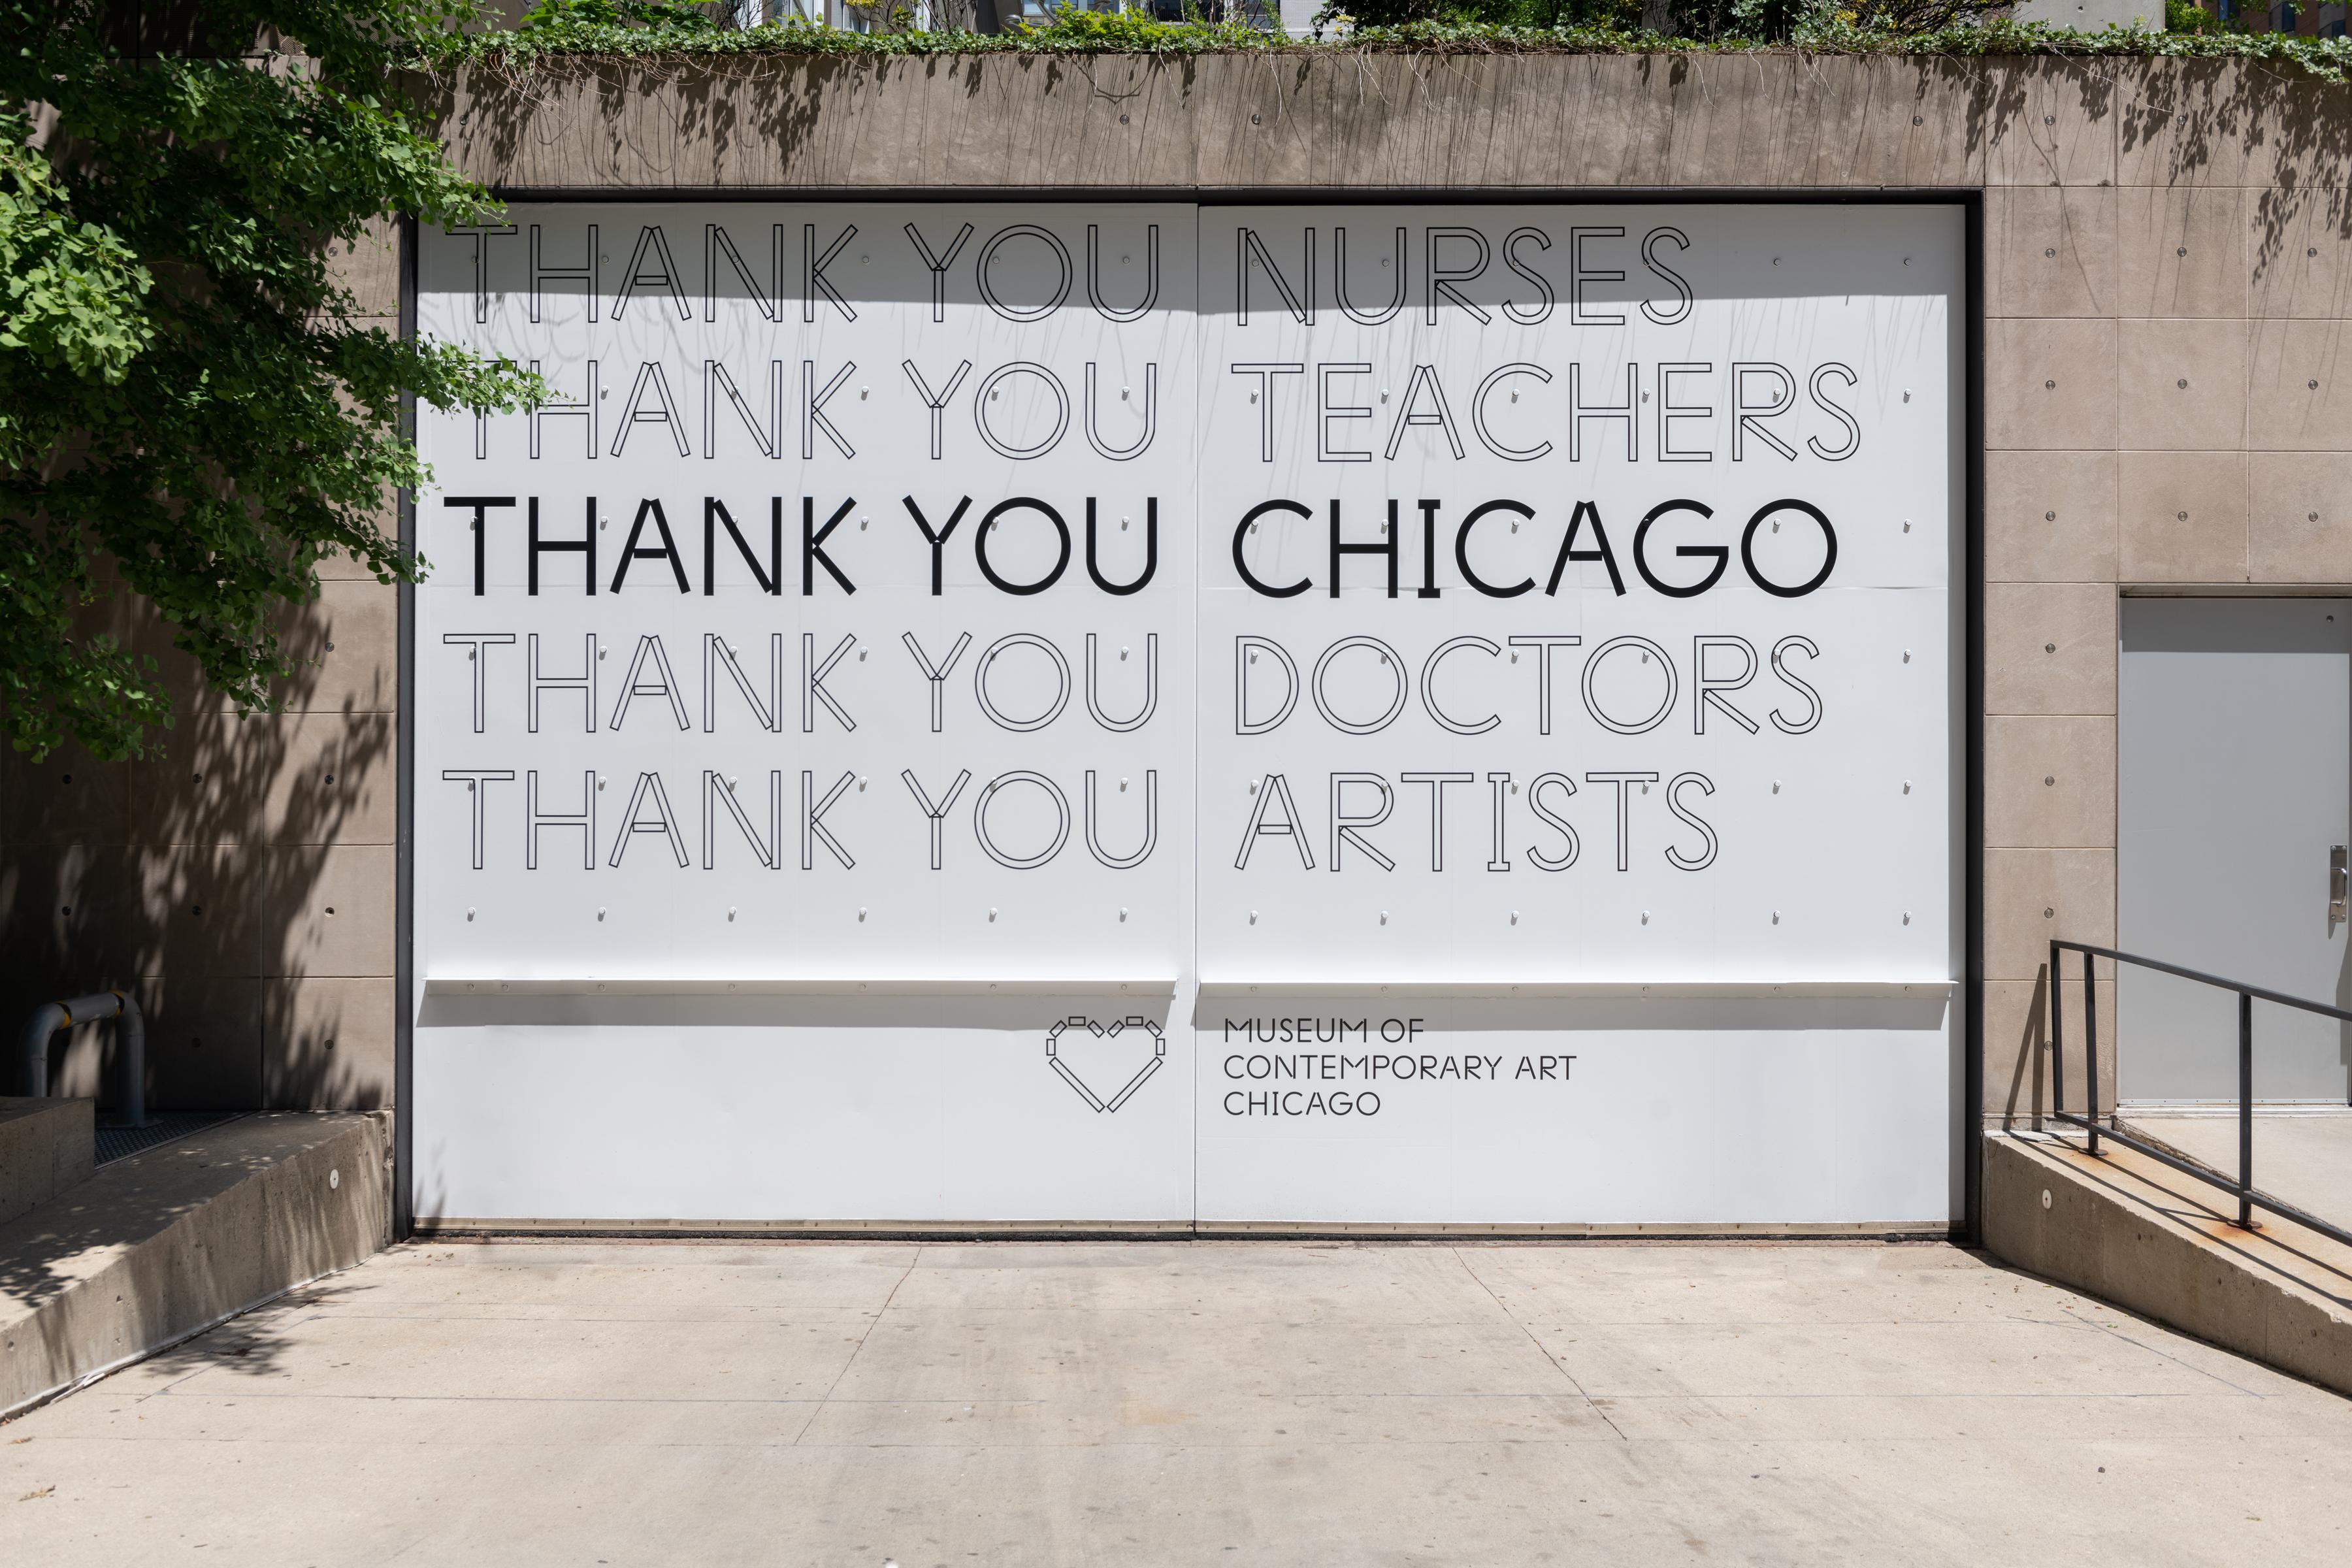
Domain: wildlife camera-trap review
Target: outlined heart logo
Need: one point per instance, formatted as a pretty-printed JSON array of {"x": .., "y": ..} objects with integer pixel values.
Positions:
[{"x": 1074, "y": 1077}]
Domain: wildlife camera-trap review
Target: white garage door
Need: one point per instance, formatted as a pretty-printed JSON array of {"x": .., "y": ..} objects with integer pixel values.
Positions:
[{"x": 1173, "y": 714}]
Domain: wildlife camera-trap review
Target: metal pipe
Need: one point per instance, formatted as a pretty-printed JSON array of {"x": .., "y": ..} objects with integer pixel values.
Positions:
[
  {"x": 32, "y": 1047},
  {"x": 2245, "y": 1111},
  {"x": 2057, "y": 1039},
  {"x": 130, "y": 1063},
  {"x": 130, "y": 1047},
  {"x": 2090, "y": 1048},
  {"x": 2256, "y": 992}
]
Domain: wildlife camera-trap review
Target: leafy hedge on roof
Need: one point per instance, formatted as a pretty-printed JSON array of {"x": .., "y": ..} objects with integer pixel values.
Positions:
[{"x": 582, "y": 32}]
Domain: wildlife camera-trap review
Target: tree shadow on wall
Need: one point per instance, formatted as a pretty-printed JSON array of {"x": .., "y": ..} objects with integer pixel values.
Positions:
[
  {"x": 2180, "y": 124},
  {"x": 2273, "y": 128},
  {"x": 648, "y": 111},
  {"x": 200, "y": 879},
  {"x": 2047, "y": 1074},
  {"x": 2030, "y": 1069},
  {"x": 765, "y": 108}
]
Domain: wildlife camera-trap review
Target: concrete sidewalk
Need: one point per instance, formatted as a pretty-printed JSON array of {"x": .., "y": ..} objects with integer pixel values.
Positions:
[{"x": 1224, "y": 1404}]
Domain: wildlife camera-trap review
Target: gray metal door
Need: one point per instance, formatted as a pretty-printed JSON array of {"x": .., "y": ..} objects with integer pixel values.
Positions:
[{"x": 2234, "y": 792}]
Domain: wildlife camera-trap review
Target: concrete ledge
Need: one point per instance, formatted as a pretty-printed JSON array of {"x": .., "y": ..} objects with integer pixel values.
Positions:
[
  {"x": 2147, "y": 1238},
  {"x": 45, "y": 1146},
  {"x": 163, "y": 1244},
  {"x": 1373, "y": 123}
]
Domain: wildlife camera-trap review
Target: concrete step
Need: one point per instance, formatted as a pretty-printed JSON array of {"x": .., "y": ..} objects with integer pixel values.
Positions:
[
  {"x": 2140, "y": 1234},
  {"x": 45, "y": 1146},
  {"x": 158, "y": 1246}
]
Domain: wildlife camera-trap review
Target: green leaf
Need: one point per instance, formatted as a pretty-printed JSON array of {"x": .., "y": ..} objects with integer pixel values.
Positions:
[{"x": 194, "y": 412}]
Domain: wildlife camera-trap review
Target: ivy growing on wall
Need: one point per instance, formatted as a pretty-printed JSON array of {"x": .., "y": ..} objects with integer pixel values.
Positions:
[{"x": 1954, "y": 29}]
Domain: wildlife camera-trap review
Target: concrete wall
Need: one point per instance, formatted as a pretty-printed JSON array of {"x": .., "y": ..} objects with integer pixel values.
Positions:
[{"x": 2167, "y": 250}]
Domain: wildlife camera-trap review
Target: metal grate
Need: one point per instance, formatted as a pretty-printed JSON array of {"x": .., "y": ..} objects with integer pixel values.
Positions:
[{"x": 121, "y": 1142}]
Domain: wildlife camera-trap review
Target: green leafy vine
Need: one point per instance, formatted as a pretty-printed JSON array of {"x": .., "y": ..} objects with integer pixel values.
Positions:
[{"x": 1817, "y": 31}]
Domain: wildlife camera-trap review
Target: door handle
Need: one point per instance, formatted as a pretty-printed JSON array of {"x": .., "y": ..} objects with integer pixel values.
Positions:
[{"x": 2339, "y": 889}]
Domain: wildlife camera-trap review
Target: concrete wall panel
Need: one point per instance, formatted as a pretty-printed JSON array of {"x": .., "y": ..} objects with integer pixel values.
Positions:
[
  {"x": 2050, "y": 385},
  {"x": 202, "y": 905},
  {"x": 2033, "y": 895},
  {"x": 204, "y": 1041},
  {"x": 326, "y": 913},
  {"x": 2299, "y": 518},
  {"x": 2297, "y": 252},
  {"x": 2049, "y": 784},
  {"x": 2181, "y": 386},
  {"x": 2049, "y": 517},
  {"x": 2296, "y": 379},
  {"x": 303, "y": 778},
  {"x": 2179, "y": 251},
  {"x": 2045, "y": 122},
  {"x": 2049, "y": 250},
  {"x": 2182, "y": 516},
  {"x": 2050, "y": 647},
  {"x": 327, "y": 1043},
  {"x": 78, "y": 900},
  {"x": 351, "y": 637},
  {"x": 68, "y": 798},
  {"x": 2212, "y": 122}
]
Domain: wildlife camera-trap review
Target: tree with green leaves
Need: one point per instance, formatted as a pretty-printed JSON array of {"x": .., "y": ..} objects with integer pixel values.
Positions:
[{"x": 194, "y": 410}]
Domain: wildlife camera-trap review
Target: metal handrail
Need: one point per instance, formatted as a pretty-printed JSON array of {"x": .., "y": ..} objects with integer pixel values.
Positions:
[
  {"x": 131, "y": 1056},
  {"x": 2248, "y": 1199}
]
